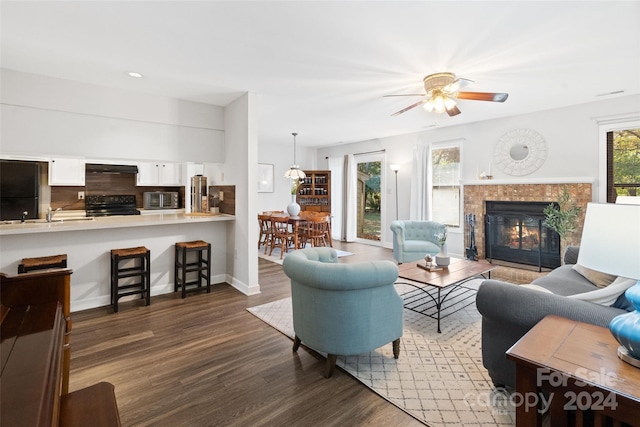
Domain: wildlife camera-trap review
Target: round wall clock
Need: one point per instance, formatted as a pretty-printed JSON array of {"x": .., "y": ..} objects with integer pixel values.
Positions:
[{"x": 520, "y": 152}]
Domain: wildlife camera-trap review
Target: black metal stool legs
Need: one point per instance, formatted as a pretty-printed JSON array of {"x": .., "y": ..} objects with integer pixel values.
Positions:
[
  {"x": 200, "y": 266},
  {"x": 141, "y": 270}
]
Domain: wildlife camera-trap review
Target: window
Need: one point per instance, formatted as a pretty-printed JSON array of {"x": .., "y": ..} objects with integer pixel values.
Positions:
[
  {"x": 445, "y": 188},
  {"x": 623, "y": 163}
]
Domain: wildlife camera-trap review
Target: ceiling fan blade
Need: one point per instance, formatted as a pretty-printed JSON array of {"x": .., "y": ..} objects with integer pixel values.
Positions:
[
  {"x": 458, "y": 84},
  {"x": 407, "y": 94},
  {"x": 453, "y": 111},
  {"x": 483, "y": 96},
  {"x": 404, "y": 110}
]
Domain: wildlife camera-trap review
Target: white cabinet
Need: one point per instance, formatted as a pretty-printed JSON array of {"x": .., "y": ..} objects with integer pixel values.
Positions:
[
  {"x": 66, "y": 171},
  {"x": 159, "y": 173}
]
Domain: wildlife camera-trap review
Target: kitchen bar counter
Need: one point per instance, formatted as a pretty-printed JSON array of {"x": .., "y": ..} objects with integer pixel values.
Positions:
[
  {"x": 87, "y": 243},
  {"x": 97, "y": 223}
]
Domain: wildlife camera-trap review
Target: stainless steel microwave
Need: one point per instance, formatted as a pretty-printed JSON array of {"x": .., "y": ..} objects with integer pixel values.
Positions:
[{"x": 161, "y": 200}]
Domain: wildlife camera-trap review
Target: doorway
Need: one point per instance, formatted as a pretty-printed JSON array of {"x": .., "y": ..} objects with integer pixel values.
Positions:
[{"x": 369, "y": 198}]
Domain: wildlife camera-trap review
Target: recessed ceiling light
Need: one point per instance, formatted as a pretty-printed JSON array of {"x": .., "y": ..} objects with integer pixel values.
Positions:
[{"x": 134, "y": 74}]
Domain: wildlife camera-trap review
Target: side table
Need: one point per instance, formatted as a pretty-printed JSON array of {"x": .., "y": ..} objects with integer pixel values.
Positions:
[{"x": 572, "y": 369}]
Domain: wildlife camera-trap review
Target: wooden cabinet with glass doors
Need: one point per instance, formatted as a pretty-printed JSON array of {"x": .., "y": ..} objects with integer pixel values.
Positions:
[{"x": 314, "y": 191}]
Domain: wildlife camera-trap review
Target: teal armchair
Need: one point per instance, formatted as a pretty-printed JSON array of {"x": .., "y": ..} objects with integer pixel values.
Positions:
[
  {"x": 343, "y": 309},
  {"x": 413, "y": 240}
]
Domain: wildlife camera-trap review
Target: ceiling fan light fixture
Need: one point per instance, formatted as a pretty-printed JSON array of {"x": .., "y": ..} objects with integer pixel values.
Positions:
[
  {"x": 442, "y": 90},
  {"x": 449, "y": 103},
  {"x": 439, "y": 102},
  {"x": 428, "y": 106}
]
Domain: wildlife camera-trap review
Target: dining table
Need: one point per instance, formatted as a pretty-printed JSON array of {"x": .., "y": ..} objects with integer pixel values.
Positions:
[{"x": 296, "y": 221}]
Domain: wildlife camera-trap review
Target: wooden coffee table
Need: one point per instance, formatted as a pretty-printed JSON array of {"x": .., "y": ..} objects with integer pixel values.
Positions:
[{"x": 434, "y": 287}]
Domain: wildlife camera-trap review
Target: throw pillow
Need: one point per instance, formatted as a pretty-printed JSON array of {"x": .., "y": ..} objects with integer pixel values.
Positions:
[
  {"x": 609, "y": 295},
  {"x": 601, "y": 280}
]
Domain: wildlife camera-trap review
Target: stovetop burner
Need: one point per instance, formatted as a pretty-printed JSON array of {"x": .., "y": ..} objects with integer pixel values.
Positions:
[{"x": 108, "y": 205}]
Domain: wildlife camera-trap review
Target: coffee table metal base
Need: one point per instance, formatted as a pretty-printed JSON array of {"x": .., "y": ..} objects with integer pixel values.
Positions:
[{"x": 424, "y": 299}]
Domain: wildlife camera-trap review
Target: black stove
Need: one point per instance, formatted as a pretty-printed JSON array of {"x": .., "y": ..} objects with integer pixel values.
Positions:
[{"x": 103, "y": 205}]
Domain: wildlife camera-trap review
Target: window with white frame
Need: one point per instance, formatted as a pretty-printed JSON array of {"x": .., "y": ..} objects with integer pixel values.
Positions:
[
  {"x": 445, "y": 185},
  {"x": 623, "y": 163}
]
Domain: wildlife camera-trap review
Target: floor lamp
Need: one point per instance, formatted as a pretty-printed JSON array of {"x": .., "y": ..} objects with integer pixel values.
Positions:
[{"x": 395, "y": 168}]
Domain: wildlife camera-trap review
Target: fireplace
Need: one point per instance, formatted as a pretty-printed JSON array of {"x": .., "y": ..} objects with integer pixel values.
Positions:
[{"x": 515, "y": 232}]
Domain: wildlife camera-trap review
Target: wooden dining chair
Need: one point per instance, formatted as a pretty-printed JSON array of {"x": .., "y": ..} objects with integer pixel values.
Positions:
[
  {"x": 314, "y": 230},
  {"x": 264, "y": 221},
  {"x": 326, "y": 226},
  {"x": 282, "y": 234}
]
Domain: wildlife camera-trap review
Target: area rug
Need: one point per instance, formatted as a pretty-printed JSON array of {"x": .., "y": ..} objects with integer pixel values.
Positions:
[
  {"x": 275, "y": 256},
  {"x": 438, "y": 379}
]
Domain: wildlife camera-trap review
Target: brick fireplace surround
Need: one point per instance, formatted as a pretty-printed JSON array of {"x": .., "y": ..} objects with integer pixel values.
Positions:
[{"x": 475, "y": 195}]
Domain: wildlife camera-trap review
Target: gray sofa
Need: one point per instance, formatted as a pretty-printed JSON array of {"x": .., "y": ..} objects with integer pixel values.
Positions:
[{"x": 509, "y": 311}]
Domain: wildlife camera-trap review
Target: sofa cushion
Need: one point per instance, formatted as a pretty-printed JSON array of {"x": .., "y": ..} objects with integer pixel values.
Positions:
[
  {"x": 598, "y": 278},
  {"x": 609, "y": 295},
  {"x": 420, "y": 246},
  {"x": 564, "y": 281},
  {"x": 536, "y": 288}
]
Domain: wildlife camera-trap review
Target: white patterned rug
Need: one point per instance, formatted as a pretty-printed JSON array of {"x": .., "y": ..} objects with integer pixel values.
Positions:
[
  {"x": 275, "y": 256},
  {"x": 438, "y": 379}
]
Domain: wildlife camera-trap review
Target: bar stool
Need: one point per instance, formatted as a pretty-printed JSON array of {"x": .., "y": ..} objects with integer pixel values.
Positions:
[
  {"x": 41, "y": 263},
  {"x": 141, "y": 269},
  {"x": 200, "y": 265}
]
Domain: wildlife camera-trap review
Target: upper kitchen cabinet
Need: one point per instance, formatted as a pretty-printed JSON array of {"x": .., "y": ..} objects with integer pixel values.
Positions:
[
  {"x": 66, "y": 171},
  {"x": 159, "y": 173}
]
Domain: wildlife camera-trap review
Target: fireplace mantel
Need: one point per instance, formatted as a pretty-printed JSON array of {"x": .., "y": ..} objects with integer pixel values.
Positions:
[{"x": 520, "y": 181}]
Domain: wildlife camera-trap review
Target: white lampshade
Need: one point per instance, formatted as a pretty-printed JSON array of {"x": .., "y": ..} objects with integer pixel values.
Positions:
[
  {"x": 611, "y": 239},
  {"x": 394, "y": 167},
  {"x": 295, "y": 173}
]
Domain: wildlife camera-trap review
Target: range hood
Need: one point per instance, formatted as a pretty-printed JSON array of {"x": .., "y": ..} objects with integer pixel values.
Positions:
[{"x": 114, "y": 169}]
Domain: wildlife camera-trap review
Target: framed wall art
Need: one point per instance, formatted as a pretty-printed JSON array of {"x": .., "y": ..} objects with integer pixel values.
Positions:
[{"x": 265, "y": 178}]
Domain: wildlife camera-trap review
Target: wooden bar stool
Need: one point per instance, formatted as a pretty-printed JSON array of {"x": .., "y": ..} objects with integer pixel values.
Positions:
[
  {"x": 201, "y": 266},
  {"x": 41, "y": 263},
  {"x": 141, "y": 269}
]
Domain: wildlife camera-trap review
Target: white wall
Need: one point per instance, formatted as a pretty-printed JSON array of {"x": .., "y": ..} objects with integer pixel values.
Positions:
[
  {"x": 49, "y": 116},
  {"x": 240, "y": 121},
  {"x": 280, "y": 155},
  {"x": 571, "y": 135}
]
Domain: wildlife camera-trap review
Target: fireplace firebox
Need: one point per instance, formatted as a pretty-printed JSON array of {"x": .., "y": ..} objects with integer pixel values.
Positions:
[{"x": 515, "y": 232}]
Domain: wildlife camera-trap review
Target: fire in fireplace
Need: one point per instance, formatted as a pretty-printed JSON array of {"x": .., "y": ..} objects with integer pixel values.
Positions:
[{"x": 515, "y": 232}]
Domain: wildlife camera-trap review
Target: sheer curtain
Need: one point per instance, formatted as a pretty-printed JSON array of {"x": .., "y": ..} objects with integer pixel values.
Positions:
[
  {"x": 420, "y": 183},
  {"x": 336, "y": 166},
  {"x": 350, "y": 182}
]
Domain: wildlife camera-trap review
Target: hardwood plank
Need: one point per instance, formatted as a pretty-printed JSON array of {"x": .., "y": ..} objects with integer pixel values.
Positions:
[{"x": 206, "y": 361}]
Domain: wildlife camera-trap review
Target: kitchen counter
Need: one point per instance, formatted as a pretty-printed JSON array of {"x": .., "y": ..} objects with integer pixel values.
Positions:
[
  {"x": 96, "y": 223},
  {"x": 87, "y": 242}
]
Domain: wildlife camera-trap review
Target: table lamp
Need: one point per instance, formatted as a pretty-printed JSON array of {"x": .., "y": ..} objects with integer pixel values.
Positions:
[{"x": 611, "y": 244}]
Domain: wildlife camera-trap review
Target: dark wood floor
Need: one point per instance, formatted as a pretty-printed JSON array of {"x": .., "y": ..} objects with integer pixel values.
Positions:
[{"x": 206, "y": 361}]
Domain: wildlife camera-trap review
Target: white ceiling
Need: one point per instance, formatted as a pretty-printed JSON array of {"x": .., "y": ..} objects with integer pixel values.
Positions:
[{"x": 321, "y": 68}]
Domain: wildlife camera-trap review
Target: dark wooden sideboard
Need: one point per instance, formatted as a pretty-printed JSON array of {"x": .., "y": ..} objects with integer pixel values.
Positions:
[{"x": 35, "y": 328}]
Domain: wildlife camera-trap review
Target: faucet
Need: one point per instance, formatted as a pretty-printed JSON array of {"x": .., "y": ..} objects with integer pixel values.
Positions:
[
  {"x": 24, "y": 216},
  {"x": 50, "y": 213}
]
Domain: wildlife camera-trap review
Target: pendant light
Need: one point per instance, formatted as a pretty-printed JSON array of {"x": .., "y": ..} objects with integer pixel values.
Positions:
[{"x": 294, "y": 171}]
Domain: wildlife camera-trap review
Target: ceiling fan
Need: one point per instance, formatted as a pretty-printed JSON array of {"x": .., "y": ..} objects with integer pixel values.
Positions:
[{"x": 442, "y": 90}]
